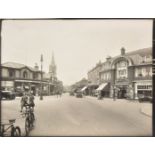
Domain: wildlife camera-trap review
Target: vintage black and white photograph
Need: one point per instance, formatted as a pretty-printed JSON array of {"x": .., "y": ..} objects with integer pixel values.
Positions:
[{"x": 76, "y": 77}]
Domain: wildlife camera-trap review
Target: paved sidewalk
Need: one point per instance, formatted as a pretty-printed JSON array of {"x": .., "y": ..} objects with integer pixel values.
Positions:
[
  {"x": 146, "y": 109},
  {"x": 111, "y": 99}
]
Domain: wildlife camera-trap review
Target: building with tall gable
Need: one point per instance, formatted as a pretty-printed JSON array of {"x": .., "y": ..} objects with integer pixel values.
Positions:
[{"x": 127, "y": 75}]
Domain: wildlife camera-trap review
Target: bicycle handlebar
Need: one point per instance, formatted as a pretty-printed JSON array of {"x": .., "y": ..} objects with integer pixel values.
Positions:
[{"x": 11, "y": 121}]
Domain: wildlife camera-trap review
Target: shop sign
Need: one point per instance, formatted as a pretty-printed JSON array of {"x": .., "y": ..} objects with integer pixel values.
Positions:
[
  {"x": 142, "y": 87},
  {"x": 7, "y": 83}
]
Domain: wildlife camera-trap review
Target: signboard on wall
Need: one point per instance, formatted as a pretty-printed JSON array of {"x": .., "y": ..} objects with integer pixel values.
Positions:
[{"x": 7, "y": 83}]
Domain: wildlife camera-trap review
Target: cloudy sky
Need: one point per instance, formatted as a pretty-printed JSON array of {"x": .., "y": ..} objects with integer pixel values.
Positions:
[{"x": 77, "y": 44}]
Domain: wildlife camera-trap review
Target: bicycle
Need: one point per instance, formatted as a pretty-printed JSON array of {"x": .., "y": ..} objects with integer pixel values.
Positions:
[
  {"x": 15, "y": 130},
  {"x": 30, "y": 118}
]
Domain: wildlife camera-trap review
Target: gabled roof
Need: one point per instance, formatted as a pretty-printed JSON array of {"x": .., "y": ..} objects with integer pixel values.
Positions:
[
  {"x": 17, "y": 66},
  {"x": 142, "y": 52},
  {"x": 133, "y": 55}
]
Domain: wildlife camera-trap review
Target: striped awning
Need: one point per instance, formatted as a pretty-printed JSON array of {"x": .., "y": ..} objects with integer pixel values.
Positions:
[
  {"x": 102, "y": 86},
  {"x": 84, "y": 88}
]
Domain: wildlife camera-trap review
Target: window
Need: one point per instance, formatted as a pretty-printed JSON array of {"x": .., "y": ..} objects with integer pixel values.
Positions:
[
  {"x": 35, "y": 76},
  {"x": 148, "y": 70},
  {"x": 148, "y": 58},
  {"x": 143, "y": 59},
  {"x": 25, "y": 74},
  {"x": 11, "y": 73},
  {"x": 139, "y": 72},
  {"x": 122, "y": 71}
]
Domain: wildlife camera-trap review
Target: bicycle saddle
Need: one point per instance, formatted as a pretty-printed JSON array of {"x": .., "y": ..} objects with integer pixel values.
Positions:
[{"x": 12, "y": 120}]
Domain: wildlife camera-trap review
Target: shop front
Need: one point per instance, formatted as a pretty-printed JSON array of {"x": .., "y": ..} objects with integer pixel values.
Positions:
[
  {"x": 84, "y": 90},
  {"x": 143, "y": 88},
  {"x": 104, "y": 90},
  {"x": 91, "y": 89},
  {"x": 122, "y": 88},
  {"x": 7, "y": 85},
  {"x": 31, "y": 86}
]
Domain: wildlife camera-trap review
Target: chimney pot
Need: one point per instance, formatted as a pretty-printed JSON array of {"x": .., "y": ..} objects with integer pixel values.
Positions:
[{"x": 122, "y": 51}]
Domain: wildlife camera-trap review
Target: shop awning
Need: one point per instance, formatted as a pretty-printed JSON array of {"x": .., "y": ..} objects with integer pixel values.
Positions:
[
  {"x": 26, "y": 87},
  {"x": 102, "y": 86},
  {"x": 84, "y": 88},
  {"x": 29, "y": 81},
  {"x": 18, "y": 87}
]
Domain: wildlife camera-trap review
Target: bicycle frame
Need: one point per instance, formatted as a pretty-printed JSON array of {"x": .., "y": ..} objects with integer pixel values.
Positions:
[
  {"x": 29, "y": 117},
  {"x": 4, "y": 130}
]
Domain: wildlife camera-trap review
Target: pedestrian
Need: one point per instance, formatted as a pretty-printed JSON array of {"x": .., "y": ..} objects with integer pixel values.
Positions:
[
  {"x": 24, "y": 101},
  {"x": 31, "y": 100}
]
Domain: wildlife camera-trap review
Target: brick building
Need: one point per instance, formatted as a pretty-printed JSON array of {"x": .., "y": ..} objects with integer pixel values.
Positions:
[
  {"x": 94, "y": 78},
  {"x": 127, "y": 75}
]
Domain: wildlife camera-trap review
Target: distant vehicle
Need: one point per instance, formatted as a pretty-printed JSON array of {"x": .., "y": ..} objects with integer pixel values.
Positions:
[
  {"x": 19, "y": 93},
  {"x": 79, "y": 94},
  {"x": 143, "y": 98},
  {"x": 71, "y": 93},
  {"x": 7, "y": 95}
]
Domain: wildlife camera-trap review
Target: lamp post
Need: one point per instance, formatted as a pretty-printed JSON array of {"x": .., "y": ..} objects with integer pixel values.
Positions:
[
  {"x": 41, "y": 60},
  {"x": 114, "y": 93}
]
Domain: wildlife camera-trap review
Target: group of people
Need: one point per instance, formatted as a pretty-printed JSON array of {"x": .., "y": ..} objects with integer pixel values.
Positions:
[{"x": 27, "y": 99}]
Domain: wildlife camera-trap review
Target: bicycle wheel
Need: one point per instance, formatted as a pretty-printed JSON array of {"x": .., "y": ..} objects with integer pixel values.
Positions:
[
  {"x": 32, "y": 117},
  {"x": 27, "y": 126},
  {"x": 15, "y": 132}
]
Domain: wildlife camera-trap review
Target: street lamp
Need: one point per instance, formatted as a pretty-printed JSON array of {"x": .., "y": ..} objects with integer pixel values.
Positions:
[
  {"x": 114, "y": 92},
  {"x": 41, "y": 60}
]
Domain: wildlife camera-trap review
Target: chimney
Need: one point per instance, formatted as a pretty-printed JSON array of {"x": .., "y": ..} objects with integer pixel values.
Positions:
[
  {"x": 122, "y": 51},
  {"x": 36, "y": 67}
]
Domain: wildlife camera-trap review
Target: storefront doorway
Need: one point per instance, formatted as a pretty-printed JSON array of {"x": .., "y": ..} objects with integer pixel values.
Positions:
[{"x": 122, "y": 93}]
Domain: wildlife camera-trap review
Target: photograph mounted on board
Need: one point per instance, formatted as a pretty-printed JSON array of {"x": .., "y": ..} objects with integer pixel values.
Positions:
[{"x": 77, "y": 77}]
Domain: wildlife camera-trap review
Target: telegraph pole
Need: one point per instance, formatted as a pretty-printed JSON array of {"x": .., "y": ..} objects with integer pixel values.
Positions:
[{"x": 41, "y": 61}]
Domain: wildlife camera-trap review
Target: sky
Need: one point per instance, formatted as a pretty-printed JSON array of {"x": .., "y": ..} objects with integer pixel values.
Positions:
[{"x": 77, "y": 44}]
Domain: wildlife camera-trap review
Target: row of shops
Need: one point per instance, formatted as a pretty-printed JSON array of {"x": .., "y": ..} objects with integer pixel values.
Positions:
[
  {"x": 129, "y": 91},
  {"x": 19, "y": 78},
  {"x": 128, "y": 75},
  {"x": 20, "y": 86}
]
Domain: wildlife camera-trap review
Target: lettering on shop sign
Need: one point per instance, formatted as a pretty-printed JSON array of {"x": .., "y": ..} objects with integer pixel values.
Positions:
[{"x": 144, "y": 87}]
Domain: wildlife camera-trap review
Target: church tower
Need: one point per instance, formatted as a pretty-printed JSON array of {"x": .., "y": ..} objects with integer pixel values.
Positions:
[{"x": 52, "y": 67}]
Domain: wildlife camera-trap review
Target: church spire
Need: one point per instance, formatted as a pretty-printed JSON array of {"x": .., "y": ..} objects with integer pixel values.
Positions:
[{"x": 52, "y": 67}]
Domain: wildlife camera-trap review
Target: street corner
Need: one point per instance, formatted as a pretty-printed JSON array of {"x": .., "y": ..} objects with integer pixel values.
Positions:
[{"x": 146, "y": 109}]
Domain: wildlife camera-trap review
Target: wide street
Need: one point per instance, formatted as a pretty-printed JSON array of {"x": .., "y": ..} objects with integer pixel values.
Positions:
[{"x": 71, "y": 116}]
